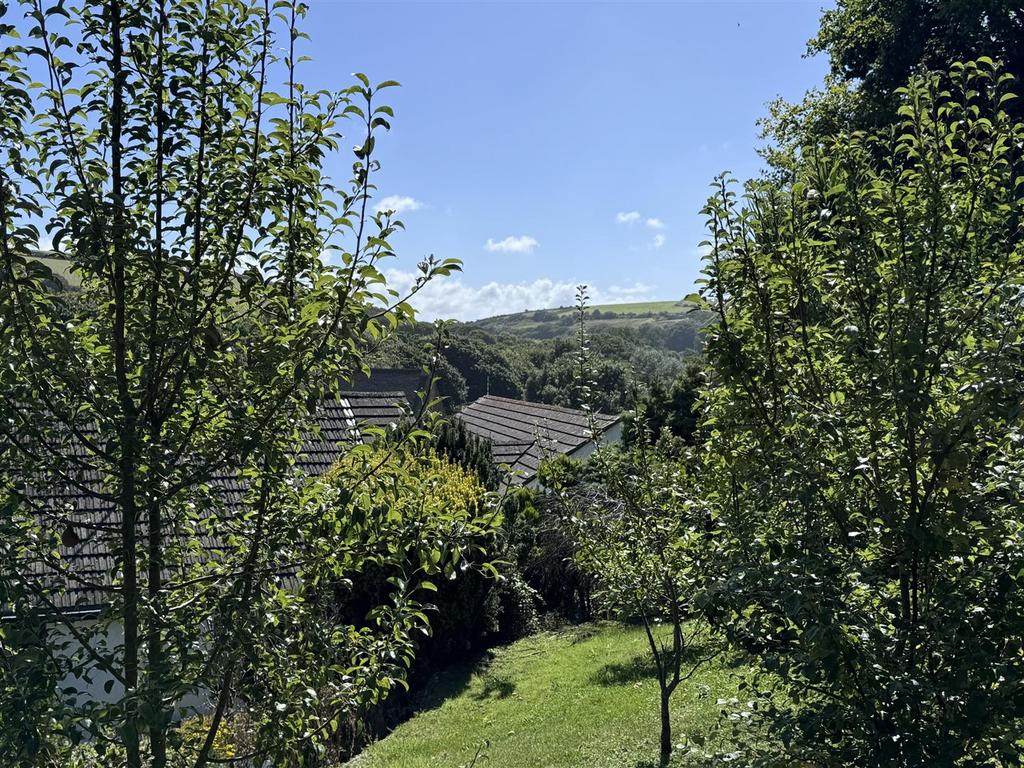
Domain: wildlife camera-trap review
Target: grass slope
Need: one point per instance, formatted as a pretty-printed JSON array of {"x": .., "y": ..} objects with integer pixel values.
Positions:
[{"x": 585, "y": 698}]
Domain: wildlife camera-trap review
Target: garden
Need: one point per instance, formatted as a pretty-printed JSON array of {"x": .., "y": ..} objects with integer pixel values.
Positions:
[{"x": 786, "y": 528}]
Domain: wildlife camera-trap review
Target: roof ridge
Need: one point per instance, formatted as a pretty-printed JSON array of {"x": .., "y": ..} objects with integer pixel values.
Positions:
[{"x": 545, "y": 406}]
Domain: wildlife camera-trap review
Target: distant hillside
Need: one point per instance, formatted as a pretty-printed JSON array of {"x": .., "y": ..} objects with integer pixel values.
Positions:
[{"x": 672, "y": 325}]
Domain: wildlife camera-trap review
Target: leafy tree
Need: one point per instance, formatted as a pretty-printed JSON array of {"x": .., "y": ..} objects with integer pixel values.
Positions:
[
  {"x": 878, "y": 46},
  {"x": 487, "y": 364},
  {"x": 864, "y": 419},
  {"x": 174, "y": 392},
  {"x": 640, "y": 534},
  {"x": 875, "y": 47},
  {"x": 637, "y": 530},
  {"x": 673, "y": 411},
  {"x": 656, "y": 367},
  {"x": 555, "y": 384},
  {"x": 412, "y": 346}
]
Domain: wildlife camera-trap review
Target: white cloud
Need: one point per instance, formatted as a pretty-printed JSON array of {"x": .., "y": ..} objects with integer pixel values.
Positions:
[
  {"x": 398, "y": 204},
  {"x": 627, "y": 217},
  {"x": 655, "y": 223},
  {"x": 452, "y": 298},
  {"x": 659, "y": 240},
  {"x": 521, "y": 244},
  {"x": 621, "y": 294}
]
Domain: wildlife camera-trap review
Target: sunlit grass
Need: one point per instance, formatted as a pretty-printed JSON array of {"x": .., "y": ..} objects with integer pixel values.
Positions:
[{"x": 583, "y": 698}]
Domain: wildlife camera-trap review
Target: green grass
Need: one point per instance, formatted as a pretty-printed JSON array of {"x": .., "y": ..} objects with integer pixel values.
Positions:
[
  {"x": 585, "y": 698},
  {"x": 645, "y": 308},
  {"x": 60, "y": 267}
]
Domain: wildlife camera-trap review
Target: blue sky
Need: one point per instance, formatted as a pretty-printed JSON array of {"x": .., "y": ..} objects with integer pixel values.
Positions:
[
  {"x": 547, "y": 144},
  {"x": 542, "y": 128}
]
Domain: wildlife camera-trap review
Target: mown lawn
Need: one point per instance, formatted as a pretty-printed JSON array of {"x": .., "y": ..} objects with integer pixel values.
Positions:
[{"x": 583, "y": 698}]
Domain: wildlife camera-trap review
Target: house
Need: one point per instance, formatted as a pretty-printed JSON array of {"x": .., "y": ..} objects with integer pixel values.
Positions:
[{"x": 523, "y": 434}]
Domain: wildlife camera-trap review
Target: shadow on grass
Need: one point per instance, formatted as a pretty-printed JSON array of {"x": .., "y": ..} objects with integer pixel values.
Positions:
[
  {"x": 447, "y": 683},
  {"x": 450, "y": 682},
  {"x": 496, "y": 687},
  {"x": 640, "y": 667}
]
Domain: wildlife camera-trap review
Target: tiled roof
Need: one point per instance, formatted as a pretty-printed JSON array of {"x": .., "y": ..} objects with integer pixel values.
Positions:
[
  {"x": 522, "y": 434},
  {"x": 406, "y": 382},
  {"x": 81, "y": 577},
  {"x": 377, "y": 409}
]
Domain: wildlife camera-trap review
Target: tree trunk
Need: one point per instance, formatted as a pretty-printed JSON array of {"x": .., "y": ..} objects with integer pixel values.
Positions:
[{"x": 666, "y": 728}]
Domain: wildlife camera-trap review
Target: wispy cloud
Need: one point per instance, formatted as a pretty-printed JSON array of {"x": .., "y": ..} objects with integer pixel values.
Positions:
[
  {"x": 617, "y": 294},
  {"x": 511, "y": 244},
  {"x": 629, "y": 218},
  {"x": 398, "y": 204},
  {"x": 452, "y": 298}
]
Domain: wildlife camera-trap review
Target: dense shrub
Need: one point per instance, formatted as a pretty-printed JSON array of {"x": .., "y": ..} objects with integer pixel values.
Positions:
[
  {"x": 410, "y": 482},
  {"x": 453, "y": 440},
  {"x": 543, "y": 555},
  {"x": 511, "y": 609}
]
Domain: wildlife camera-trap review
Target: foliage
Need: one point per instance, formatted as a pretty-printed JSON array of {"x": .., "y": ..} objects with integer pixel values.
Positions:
[
  {"x": 477, "y": 361},
  {"x": 452, "y": 439},
  {"x": 419, "y": 513},
  {"x": 28, "y": 678},
  {"x": 880, "y": 45},
  {"x": 554, "y": 383},
  {"x": 512, "y": 608},
  {"x": 487, "y": 366},
  {"x": 472, "y": 362},
  {"x": 875, "y": 47},
  {"x": 175, "y": 391},
  {"x": 864, "y": 448},
  {"x": 406, "y": 482},
  {"x": 673, "y": 412},
  {"x": 512, "y": 604},
  {"x": 542, "y": 549},
  {"x": 638, "y": 532}
]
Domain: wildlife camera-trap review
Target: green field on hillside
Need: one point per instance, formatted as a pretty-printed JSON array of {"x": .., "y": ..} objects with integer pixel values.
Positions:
[
  {"x": 584, "y": 698},
  {"x": 644, "y": 308},
  {"x": 653, "y": 319}
]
